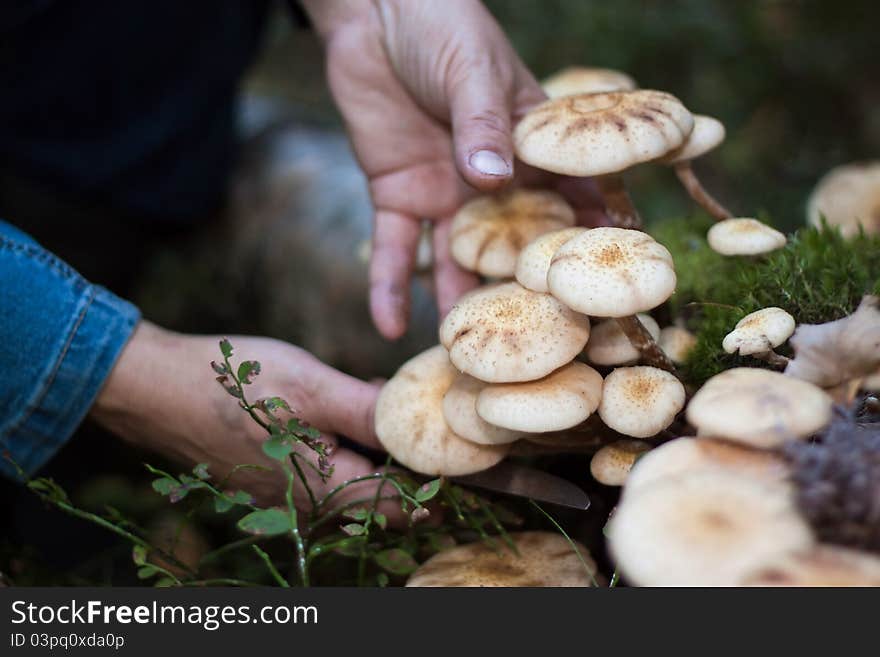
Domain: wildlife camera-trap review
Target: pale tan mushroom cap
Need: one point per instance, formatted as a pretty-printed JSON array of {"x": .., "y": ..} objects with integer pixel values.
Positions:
[
  {"x": 640, "y": 401},
  {"x": 488, "y": 232},
  {"x": 534, "y": 260},
  {"x": 460, "y": 412},
  {"x": 597, "y": 134},
  {"x": 560, "y": 400},
  {"x": 611, "y": 272},
  {"x": 612, "y": 464},
  {"x": 823, "y": 565},
  {"x": 759, "y": 331},
  {"x": 707, "y": 528},
  {"x": 608, "y": 344},
  {"x": 575, "y": 80},
  {"x": 544, "y": 559},
  {"x": 744, "y": 237},
  {"x": 708, "y": 133},
  {"x": 676, "y": 343},
  {"x": 505, "y": 333},
  {"x": 848, "y": 196},
  {"x": 410, "y": 424},
  {"x": 758, "y": 407}
]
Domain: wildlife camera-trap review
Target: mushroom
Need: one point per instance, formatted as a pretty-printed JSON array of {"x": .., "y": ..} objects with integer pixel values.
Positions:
[
  {"x": 608, "y": 344},
  {"x": 676, "y": 342},
  {"x": 707, "y": 528},
  {"x": 707, "y": 134},
  {"x": 640, "y": 401},
  {"x": 822, "y": 565},
  {"x": 601, "y": 135},
  {"x": 542, "y": 559},
  {"x": 460, "y": 412},
  {"x": 848, "y": 197},
  {"x": 534, "y": 260},
  {"x": 758, "y": 333},
  {"x": 611, "y": 464},
  {"x": 575, "y": 80},
  {"x": 758, "y": 407},
  {"x": 504, "y": 333},
  {"x": 410, "y": 424},
  {"x": 560, "y": 400},
  {"x": 488, "y": 232},
  {"x": 615, "y": 272},
  {"x": 744, "y": 237}
]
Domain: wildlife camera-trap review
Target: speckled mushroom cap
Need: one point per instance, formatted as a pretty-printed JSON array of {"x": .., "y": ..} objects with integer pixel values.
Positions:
[
  {"x": 676, "y": 343},
  {"x": 597, "y": 134},
  {"x": 575, "y": 80},
  {"x": 561, "y": 400},
  {"x": 758, "y": 407},
  {"x": 640, "y": 401},
  {"x": 544, "y": 559},
  {"x": 611, "y": 272},
  {"x": 848, "y": 196},
  {"x": 460, "y": 412},
  {"x": 823, "y": 565},
  {"x": 704, "y": 528},
  {"x": 707, "y": 134},
  {"x": 744, "y": 237},
  {"x": 534, "y": 260},
  {"x": 684, "y": 455},
  {"x": 759, "y": 331},
  {"x": 410, "y": 424},
  {"x": 488, "y": 232},
  {"x": 504, "y": 333},
  {"x": 608, "y": 344},
  {"x": 612, "y": 463}
]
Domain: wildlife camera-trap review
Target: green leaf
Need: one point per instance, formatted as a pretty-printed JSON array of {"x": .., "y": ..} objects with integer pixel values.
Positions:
[
  {"x": 226, "y": 348},
  {"x": 278, "y": 448},
  {"x": 266, "y": 522},
  {"x": 350, "y": 547},
  {"x": 353, "y": 529},
  {"x": 274, "y": 403},
  {"x": 382, "y": 580},
  {"x": 247, "y": 370},
  {"x": 139, "y": 555},
  {"x": 145, "y": 572},
  {"x": 301, "y": 428},
  {"x": 396, "y": 561},
  {"x": 357, "y": 513},
  {"x": 380, "y": 519},
  {"x": 222, "y": 504},
  {"x": 239, "y": 497},
  {"x": 219, "y": 368},
  {"x": 164, "y": 486},
  {"x": 427, "y": 491},
  {"x": 164, "y": 583},
  {"x": 201, "y": 471}
]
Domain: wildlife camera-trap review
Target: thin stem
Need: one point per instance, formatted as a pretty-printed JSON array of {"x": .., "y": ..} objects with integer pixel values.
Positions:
[
  {"x": 618, "y": 204},
  {"x": 376, "y": 475},
  {"x": 220, "y": 581},
  {"x": 294, "y": 529},
  {"x": 615, "y": 578},
  {"x": 271, "y": 566},
  {"x": 567, "y": 538},
  {"x": 639, "y": 337},
  {"x": 368, "y": 524},
  {"x": 229, "y": 547},
  {"x": 771, "y": 357},
  {"x": 698, "y": 193},
  {"x": 302, "y": 477}
]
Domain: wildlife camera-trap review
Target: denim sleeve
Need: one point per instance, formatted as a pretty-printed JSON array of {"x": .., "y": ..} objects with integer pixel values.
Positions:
[{"x": 59, "y": 338}]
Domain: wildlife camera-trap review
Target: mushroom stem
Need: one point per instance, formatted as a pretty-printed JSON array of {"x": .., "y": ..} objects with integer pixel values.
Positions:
[
  {"x": 638, "y": 335},
  {"x": 698, "y": 193},
  {"x": 770, "y": 356},
  {"x": 618, "y": 204}
]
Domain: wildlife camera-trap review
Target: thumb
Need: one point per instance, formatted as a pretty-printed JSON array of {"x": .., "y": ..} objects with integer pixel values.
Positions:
[{"x": 346, "y": 406}]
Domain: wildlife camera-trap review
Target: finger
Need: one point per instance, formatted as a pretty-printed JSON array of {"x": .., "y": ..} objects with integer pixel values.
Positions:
[
  {"x": 450, "y": 280},
  {"x": 395, "y": 238},
  {"x": 346, "y": 406}
]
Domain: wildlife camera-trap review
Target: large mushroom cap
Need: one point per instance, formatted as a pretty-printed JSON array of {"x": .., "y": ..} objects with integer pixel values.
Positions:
[
  {"x": 560, "y": 400},
  {"x": 758, "y": 407},
  {"x": 545, "y": 559},
  {"x": 848, "y": 197},
  {"x": 597, "y": 134},
  {"x": 823, "y": 565},
  {"x": 410, "y": 424},
  {"x": 612, "y": 463},
  {"x": 759, "y": 331},
  {"x": 744, "y": 237},
  {"x": 460, "y": 412},
  {"x": 608, "y": 344},
  {"x": 488, "y": 232},
  {"x": 640, "y": 401},
  {"x": 575, "y": 80},
  {"x": 676, "y": 343},
  {"x": 611, "y": 272},
  {"x": 505, "y": 333},
  {"x": 704, "y": 529},
  {"x": 534, "y": 260},
  {"x": 707, "y": 134}
]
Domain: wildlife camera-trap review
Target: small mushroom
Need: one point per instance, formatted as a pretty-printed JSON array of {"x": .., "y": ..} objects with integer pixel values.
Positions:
[
  {"x": 488, "y": 232},
  {"x": 848, "y": 197},
  {"x": 676, "y": 342},
  {"x": 460, "y": 412},
  {"x": 758, "y": 407},
  {"x": 504, "y": 333},
  {"x": 410, "y": 424},
  {"x": 612, "y": 464},
  {"x": 640, "y": 401},
  {"x": 744, "y": 237},
  {"x": 561, "y": 400},
  {"x": 822, "y": 565},
  {"x": 608, "y": 344},
  {"x": 534, "y": 260},
  {"x": 543, "y": 559},
  {"x": 704, "y": 528},
  {"x": 758, "y": 333},
  {"x": 575, "y": 80}
]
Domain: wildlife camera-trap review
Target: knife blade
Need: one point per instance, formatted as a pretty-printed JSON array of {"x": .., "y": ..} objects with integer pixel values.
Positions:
[{"x": 523, "y": 481}]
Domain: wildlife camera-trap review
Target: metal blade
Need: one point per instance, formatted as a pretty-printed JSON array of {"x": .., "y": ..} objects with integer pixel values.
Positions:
[{"x": 523, "y": 481}]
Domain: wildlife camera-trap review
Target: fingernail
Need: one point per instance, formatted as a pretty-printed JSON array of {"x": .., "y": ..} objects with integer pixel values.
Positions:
[{"x": 489, "y": 163}]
